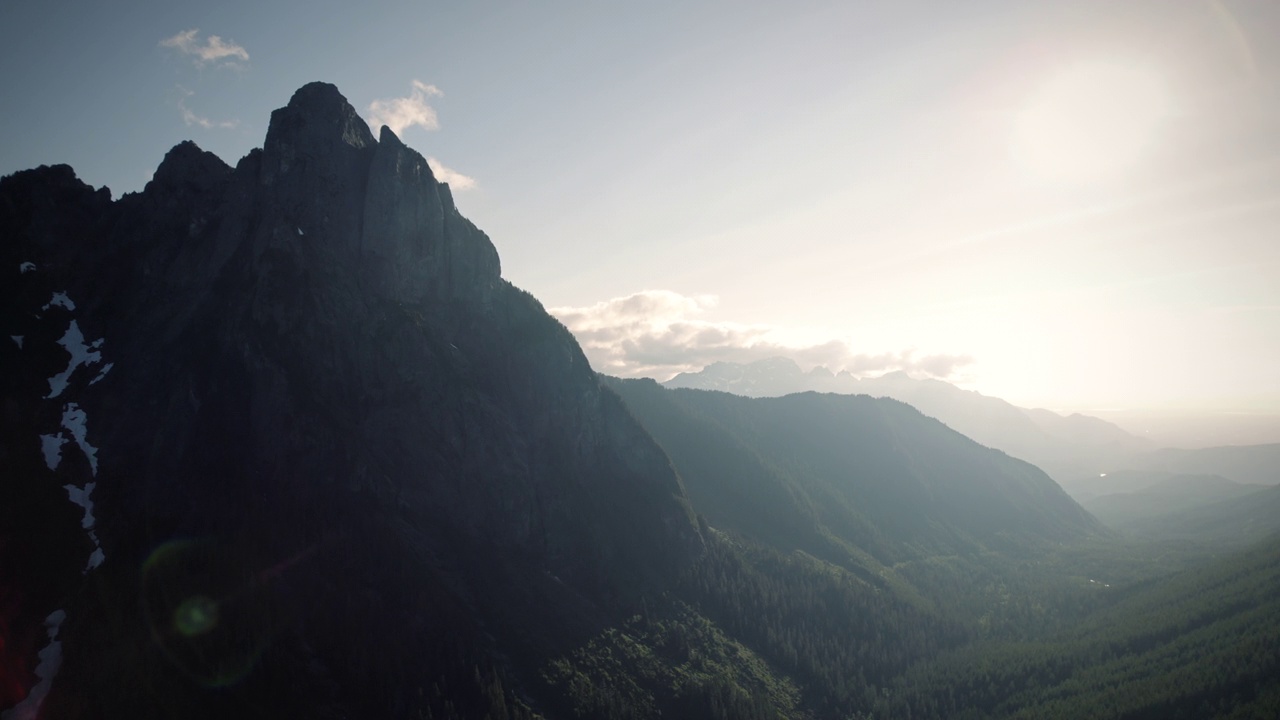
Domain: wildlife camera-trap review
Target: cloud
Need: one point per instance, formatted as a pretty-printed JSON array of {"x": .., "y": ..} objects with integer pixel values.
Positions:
[
  {"x": 943, "y": 366},
  {"x": 404, "y": 112},
  {"x": 656, "y": 333},
  {"x": 456, "y": 180},
  {"x": 193, "y": 120},
  {"x": 212, "y": 50}
]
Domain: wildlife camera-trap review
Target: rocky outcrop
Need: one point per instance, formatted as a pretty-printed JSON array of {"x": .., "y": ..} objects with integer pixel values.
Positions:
[{"x": 327, "y": 403}]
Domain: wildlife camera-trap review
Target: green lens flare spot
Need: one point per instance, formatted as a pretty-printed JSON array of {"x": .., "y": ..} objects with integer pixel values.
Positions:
[{"x": 196, "y": 615}]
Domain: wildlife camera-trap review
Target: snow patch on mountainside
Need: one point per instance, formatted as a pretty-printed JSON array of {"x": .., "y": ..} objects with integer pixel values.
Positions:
[
  {"x": 51, "y": 446},
  {"x": 74, "y": 419},
  {"x": 50, "y": 660},
  {"x": 59, "y": 299},
  {"x": 82, "y": 497},
  {"x": 105, "y": 369},
  {"x": 81, "y": 354}
]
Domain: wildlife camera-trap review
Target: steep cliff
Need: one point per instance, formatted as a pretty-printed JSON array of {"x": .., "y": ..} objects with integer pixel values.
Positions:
[{"x": 332, "y": 442}]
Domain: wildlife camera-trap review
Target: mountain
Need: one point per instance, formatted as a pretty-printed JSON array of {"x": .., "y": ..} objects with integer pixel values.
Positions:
[
  {"x": 1252, "y": 464},
  {"x": 1070, "y": 448},
  {"x": 1182, "y": 473},
  {"x": 964, "y": 534},
  {"x": 819, "y": 472},
  {"x": 1246, "y": 515},
  {"x": 1156, "y": 495},
  {"x": 305, "y": 426}
]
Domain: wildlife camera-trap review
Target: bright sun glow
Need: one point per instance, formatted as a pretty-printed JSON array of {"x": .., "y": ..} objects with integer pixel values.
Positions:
[{"x": 1090, "y": 121}]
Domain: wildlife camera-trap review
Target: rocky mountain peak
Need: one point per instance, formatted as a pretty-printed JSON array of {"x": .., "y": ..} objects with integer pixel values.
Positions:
[
  {"x": 314, "y": 365},
  {"x": 897, "y": 376},
  {"x": 188, "y": 168},
  {"x": 315, "y": 162},
  {"x": 318, "y": 115}
]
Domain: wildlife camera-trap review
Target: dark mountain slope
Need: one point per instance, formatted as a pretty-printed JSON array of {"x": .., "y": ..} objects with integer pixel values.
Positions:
[
  {"x": 874, "y": 473},
  {"x": 323, "y": 395}
]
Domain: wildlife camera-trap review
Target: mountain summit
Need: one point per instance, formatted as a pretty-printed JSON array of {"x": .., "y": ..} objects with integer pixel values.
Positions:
[{"x": 301, "y": 382}]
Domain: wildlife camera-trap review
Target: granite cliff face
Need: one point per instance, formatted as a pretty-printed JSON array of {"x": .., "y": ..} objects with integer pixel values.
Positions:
[{"x": 321, "y": 395}]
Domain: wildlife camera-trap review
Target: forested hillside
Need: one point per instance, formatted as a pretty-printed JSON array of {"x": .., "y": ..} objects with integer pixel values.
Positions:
[
  {"x": 1087, "y": 625},
  {"x": 1202, "y": 644},
  {"x": 873, "y": 474}
]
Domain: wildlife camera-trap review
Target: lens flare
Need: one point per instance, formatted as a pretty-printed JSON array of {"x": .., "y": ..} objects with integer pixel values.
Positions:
[
  {"x": 197, "y": 615},
  {"x": 207, "y": 609}
]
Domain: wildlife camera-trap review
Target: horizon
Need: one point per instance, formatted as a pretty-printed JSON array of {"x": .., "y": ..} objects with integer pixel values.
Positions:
[
  {"x": 1173, "y": 429},
  {"x": 1054, "y": 205}
]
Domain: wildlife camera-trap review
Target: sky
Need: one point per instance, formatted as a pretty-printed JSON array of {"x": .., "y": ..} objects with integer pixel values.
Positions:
[{"x": 1069, "y": 204}]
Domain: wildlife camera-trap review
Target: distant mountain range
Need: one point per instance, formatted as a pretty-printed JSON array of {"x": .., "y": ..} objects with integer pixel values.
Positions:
[
  {"x": 1081, "y": 452},
  {"x": 1216, "y": 512},
  {"x": 1070, "y": 448},
  {"x": 1147, "y": 495}
]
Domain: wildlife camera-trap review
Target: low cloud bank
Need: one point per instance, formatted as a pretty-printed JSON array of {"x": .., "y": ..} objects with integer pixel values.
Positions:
[{"x": 657, "y": 333}]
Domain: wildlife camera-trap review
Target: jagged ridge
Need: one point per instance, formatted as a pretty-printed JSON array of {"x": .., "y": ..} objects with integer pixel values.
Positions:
[{"x": 319, "y": 369}]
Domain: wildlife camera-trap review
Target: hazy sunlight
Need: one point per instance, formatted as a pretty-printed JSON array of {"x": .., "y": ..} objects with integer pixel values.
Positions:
[{"x": 1090, "y": 121}]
